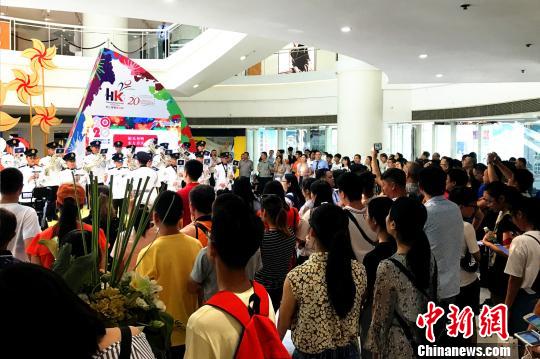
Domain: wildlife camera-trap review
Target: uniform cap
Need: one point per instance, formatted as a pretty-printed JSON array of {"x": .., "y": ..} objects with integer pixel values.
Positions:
[
  {"x": 143, "y": 157},
  {"x": 224, "y": 154},
  {"x": 31, "y": 152},
  {"x": 118, "y": 144},
  {"x": 118, "y": 157},
  {"x": 52, "y": 145},
  {"x": 14, "y": 142},
  {"x": 186, "y": 144},
  {"x": 131, "y": 147},
  {"x": 165, "y": 145},
  {"x": 201, "y": 143},
  {"x": 69, "y": 156},
  {"x": 95, "y": 144},
  {"x": 175, "y": 155}
]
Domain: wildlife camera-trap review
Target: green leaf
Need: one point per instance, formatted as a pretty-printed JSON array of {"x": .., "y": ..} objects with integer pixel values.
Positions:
[
  {"x": 79, "y": 274},
  {"x": 51, "y": 245},
  {"x": 63, "y": 261}
]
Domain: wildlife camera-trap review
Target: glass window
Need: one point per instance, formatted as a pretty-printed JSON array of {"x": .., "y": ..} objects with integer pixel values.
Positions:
[
  {"x": 466, "y": 139},
  {"x": 443, "y": 139},
  {"x": 267, "y": 139}
]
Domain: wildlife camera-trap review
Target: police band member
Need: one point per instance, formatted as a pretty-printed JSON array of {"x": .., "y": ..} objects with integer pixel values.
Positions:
[
  {"x": 52, "y": 164},
  {"x": 129, "y": 160},
  {"x": 13, "y": 158},
  {"x": 118, "y": 148},
  {"x": 118, "y": 175},
  {"x": 71, "y": 170},
  {"x": 224, "y": 173},
  {"x": 33, "y": 176},
  {"x": 144, "y": 159},
  {"x": 159, "y": 161},
  {"x": 205, "y": 176},
  {"x": 95, "y": 162},
  {"x": 169, "y": 175}
]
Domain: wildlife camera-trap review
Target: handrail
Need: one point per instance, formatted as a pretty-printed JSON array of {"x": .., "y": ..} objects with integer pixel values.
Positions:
[{"x": 83, "y": 27}]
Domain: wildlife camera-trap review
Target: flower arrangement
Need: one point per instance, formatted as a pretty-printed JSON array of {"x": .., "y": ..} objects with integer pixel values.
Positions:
[{"x": 119, "y": 297}]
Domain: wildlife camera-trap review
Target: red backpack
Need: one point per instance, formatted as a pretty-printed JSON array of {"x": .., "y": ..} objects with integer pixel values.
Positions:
[{"x": 259, "y": 338}]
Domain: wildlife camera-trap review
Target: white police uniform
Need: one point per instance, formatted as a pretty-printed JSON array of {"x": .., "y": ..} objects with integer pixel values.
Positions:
[
  {"x": 33, "y": 176},
  {"x": 119, "y": 177},
  {"x": 95, "y": 163},
  {"x": 52, "y": 166},
  {"x": 169, "y": 176},
  {"x": 224, "y": 173}
]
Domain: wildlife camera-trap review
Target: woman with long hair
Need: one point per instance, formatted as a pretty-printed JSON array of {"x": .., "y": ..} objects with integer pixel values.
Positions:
[
  {"x": 346, "y": 163},
  {"x": 242, "y": 188},
  {"x": 274, "y": 188},
  {"x": 67, "y": 326},
  {"x": 306, "y": 192},
  {"x": 293, "y": 193},
  {"x": 303, "y": 170},
  {"x": 279, "y": 168},
  {"x": 404, "y": 284},
  {"x": 277, "y": 248},
  {"x": 323, "y": 296},
  {"x": 67, "y": 198}
]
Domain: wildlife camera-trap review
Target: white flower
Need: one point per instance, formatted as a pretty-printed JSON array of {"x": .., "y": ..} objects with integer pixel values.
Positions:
[
  {"x": 159, "y": 305},
  {"x": 141, "y": 303}
]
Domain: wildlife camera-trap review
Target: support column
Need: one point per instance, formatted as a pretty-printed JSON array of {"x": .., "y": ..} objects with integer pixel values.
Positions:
[
  {"x": 360, "y": 97},
  {"x": 99, "y": 31}
]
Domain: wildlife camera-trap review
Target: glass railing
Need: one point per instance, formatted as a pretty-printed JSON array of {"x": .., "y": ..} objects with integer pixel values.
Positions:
[{"x": 74, "y": 40}]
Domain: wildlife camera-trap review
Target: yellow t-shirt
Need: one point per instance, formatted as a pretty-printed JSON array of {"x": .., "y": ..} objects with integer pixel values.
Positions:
[
  {"x": 169, "y": 260},
  {"x": 212, "y": 333}
]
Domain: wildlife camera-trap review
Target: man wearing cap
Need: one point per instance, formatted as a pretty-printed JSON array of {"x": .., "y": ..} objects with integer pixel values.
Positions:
[
  {"x": 205, "y": 177},
  {"x": 118, "y": 175},
  {"x": 33, "y": 176},
  {"x": 144, "y": 159},
  {"x": 66, "y": 176},
  {"x": 224, "y": 173},
  {"x": 118, "y": 148},
  {"x": 13, "y": 158},
  {"x": 159, "y": 160},
  {"x": 168, "y": 174},
  {"x": 95, "y": 162},
  {"x": 52, "y": 164},
  {"x": 129, "y": 158}
]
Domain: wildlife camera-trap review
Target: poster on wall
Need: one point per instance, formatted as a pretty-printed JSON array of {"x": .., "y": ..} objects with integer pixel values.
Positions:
[{"x": 125, "y": 101}]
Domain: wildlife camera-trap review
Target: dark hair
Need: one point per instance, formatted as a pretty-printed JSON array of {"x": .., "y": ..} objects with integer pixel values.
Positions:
[
  {"x": 396, "y": 176},
  {"x": 410, "y": 216},
  {"x": 68, "y": 219},
  {"x": 330, "y": 224},
  {"x": 522, "y": 159},
  {"x": 524, "y": 179},
  {"x": 8, "y": 226},
  {"x": 384, "y": 155},
  {"x": 368, "y": 183},
  {"x": 242, "y": 188},
  {"x": 459, "y": 176},
  {"x": 529, "y": 207},
  {"x": 273, "y": 207},
  {"x": 456, "y": 163},
  {"x": 76, "y": 238},
  {"x": 347, "y": 159},
  {"x": 236, "y": 231},
  {"x": 462, "y": 196},
  {"x": 194, "y": 169},
  {"x": 351, "y": 185},
  {"x": 413, "y": 171},
  {"x": 307, "y": 182},
  {"x": 426, "y": 154},
  {"x": 338, "y": 155},
  {"x": 378, "y": 209},
  {"x": 169, "y": 207},
  {"x": 144, "y": 212},
  {"x": 294, "y": 188},
  {"x": 275, "y": 187},
  {"x": 432, "y": 180},
  {"x": 11, "y": 180},
  {"x": 480, "y": 167},
  {"x": 321, "y": 172},
  {"x": 498, "y": 189},
  {"x": 79, "y": 325},
  {"x": 202, "y": 197},
  {"x": 323, "y": 192},
  {"x": 263, "y": 153}
]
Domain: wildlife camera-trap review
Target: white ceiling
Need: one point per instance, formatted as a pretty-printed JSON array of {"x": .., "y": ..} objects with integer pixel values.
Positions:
[{"x": 485, "y": 43}]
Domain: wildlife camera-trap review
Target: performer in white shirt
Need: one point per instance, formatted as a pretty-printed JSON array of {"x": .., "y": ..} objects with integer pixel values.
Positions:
[
  {"x": 118, "y": 175},
  {"x": 13, "y": 158},
  {"x": 33, "y": 176},
  {"x": 224, "y": 173},
  {"x": 141, "y": 174},
  {"x": 71, "y": 170},
  {"x": 118, "y": 148},
  {"x": 205, "y": 176},
  {"x": 169, "y": 174},
  {"x": 95, "y": 162},
  {"x": 52, "y": 166}
]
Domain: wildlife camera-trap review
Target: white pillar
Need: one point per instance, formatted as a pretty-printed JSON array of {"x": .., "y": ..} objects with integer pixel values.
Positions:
[
  {"x": 250, "y": 143},
  {"x": 99, "y": 31},
  {"x": 360, "y": 109}
]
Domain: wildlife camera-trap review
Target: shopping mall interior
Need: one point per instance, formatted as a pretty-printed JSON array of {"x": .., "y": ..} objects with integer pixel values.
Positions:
[{"x": 446, "y": 76}]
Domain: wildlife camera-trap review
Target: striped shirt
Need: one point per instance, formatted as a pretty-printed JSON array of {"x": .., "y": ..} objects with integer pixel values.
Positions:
[
  {"x": 276, "y": 253},
  {"x": 140, "y": 349}
]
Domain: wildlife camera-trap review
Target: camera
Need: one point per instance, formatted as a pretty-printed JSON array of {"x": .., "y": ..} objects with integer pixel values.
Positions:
[
  {"x": 104, "y": 151},
  {"x": 181, "y": 163},
  {"x": 59, "y": 151},
  {"x": 377, "y": 146}
]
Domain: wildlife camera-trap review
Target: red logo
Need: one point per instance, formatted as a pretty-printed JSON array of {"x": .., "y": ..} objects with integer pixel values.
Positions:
[{"x": 114, "y": 95}]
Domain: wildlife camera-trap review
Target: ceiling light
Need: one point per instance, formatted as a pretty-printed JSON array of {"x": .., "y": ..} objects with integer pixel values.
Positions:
[
  {"x": 243, "y": 57},
  {"x": 195, "y": 86},
  {"x": 346, "y": 29},
  {"x": 48, "y": 11},
  {"x": 2, "y": 13},
  {"x": 439, "y": 75},
  {"x": 422, "y": 56},
  {"x": 47, "y": 19}
]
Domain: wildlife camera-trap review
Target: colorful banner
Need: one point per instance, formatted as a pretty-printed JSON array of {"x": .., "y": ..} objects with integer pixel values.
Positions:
[{"x": 124, "y": 99}]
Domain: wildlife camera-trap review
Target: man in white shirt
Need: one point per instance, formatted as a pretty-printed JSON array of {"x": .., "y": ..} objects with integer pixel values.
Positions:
[
  {"x": 32, "y": 175},
  {"x": 523, "y": 265},
  {"x": 71, "y": 171},
  {"x": 95, "y": 162},
  {"x": 118, "y": 175},
  {"x": 141, "y": 174},
  {"x": 363, "y": 239},
  {"x": 11, "y": 184},
  {"x": 169, "y": 174},
  {"x": 224, "y": 173}
]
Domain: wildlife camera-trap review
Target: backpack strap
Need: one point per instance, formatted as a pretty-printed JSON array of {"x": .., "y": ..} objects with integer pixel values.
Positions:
[
  {"x": 232, "y": 305},
  {"x": 202, "y": 227},
  {"x": 125, "y": 343},
  {"x": 407, "y": 332},
  {"x": 364, "y": 235},
  {"x": 533, "y": 237},
  {"x": 262, "y": 294},
  {"x": 411, "y": 278}
]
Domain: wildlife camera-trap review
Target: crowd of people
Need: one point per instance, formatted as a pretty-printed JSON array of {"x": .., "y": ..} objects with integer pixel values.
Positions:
[{"x": 348, "y": 253}]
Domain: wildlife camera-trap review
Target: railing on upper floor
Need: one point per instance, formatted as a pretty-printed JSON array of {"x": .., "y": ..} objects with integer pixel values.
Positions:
[{"x": 76, "y": 40}]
